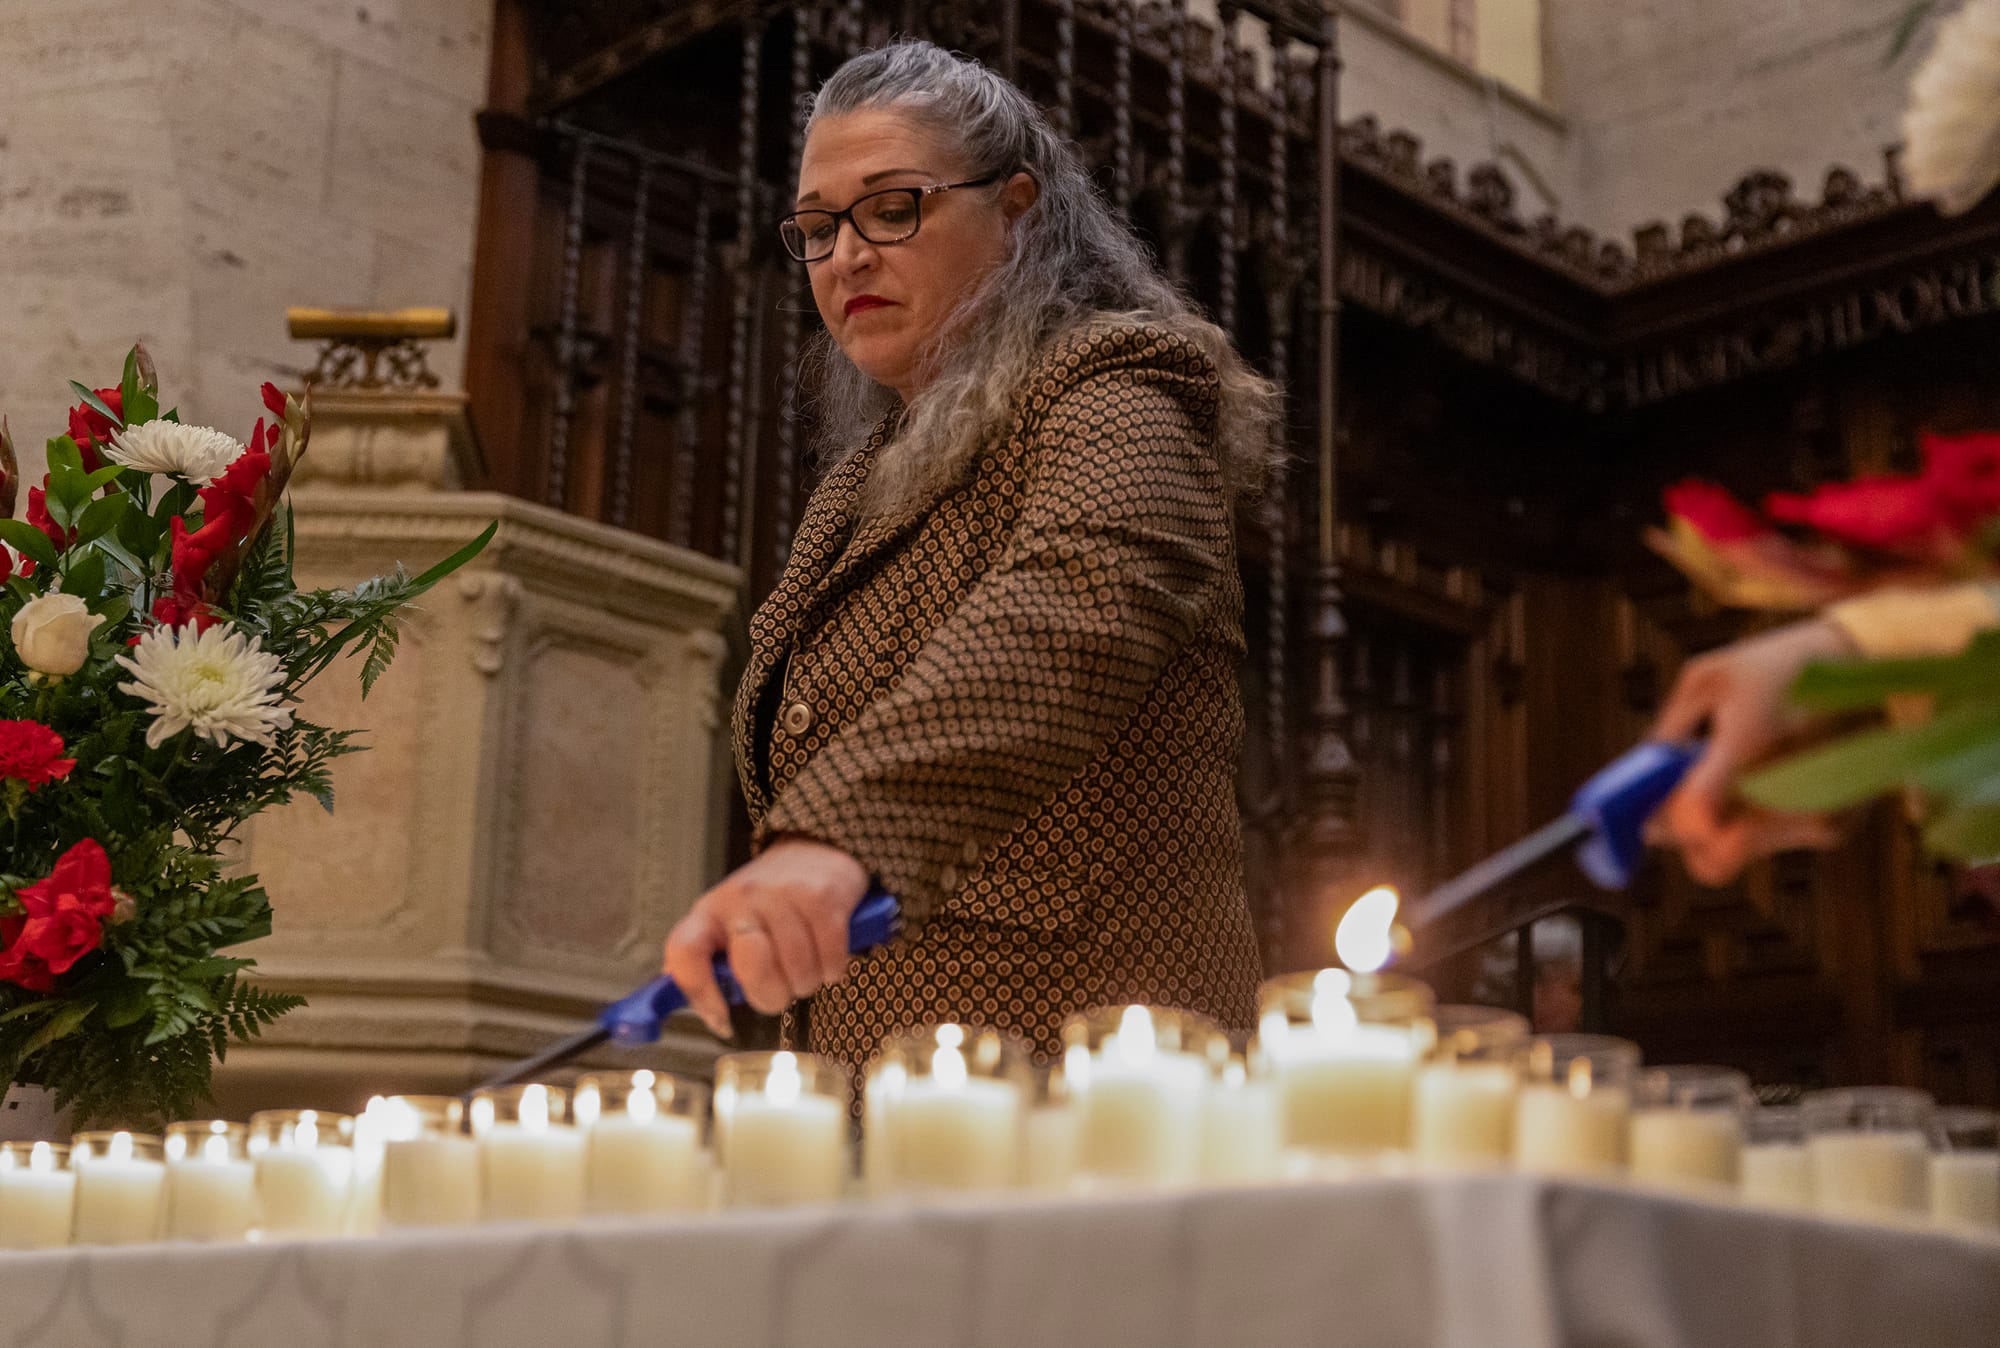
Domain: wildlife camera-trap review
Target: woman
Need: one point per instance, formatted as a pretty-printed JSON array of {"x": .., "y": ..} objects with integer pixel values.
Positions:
[{"x": 998, "y": 676}]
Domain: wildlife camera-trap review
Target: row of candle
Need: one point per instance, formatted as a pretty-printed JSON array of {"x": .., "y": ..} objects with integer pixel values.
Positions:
[{"x": 1347, "y": 1071}]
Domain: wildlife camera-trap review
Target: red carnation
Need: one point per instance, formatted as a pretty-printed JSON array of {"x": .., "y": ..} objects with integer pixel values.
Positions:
[
  {"x": 1715, "y": 514},
  {"x": 90, "y": 427},
  {"x": 1892, "y": 514},
  {"x": 31, "y": 752},
  {"x": 61, "y": 919}
]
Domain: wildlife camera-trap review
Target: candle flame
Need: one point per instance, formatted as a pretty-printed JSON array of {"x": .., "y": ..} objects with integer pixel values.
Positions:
[
  {"x": 641, "y": 1104},
  {"x": 1579, "y": 1078},
  {"x": 120, "y": 1148},
  {"x": 534, "y": 1113},
  {"x": 783, "y": 1085},
  {"x": 1135, "y": 1037},
  {"x": 42, "y": 1158},
  {"x": 1332, "y": 1011},
  {"x": 215, "y": 1147},
  {"x": 1365, "y": 939},
  {"x": 948, "y": 1068},
  {"x": 1076, "y": 1066}
]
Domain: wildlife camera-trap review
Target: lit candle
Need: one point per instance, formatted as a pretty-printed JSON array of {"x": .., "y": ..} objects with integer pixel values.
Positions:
[
  {"x": 1462, "y": 1109},
  {"x": 118, "y": 1181},
  {"x": 1137, "y": 1077},
  {"x": 304, "y": 1161},
  {"x": 211, "y": 1190},
  {"x": 1965, "y": 1173},
  {"x": 781, "y": 1127},
  {"x": 1687, "y": 1129},
  {"x": 430, "y": 1169},
  {"x": 1049, "y": 1152},
  {"x": 364, "y": 1189},
  {"x": 946, "y": 1109},
  {"x": 37, "y": 1195},
  {"x": 1868, "y": 1151},
  {"x": 1575, "y": 1102},
  {"x": 643, "y": 1143},
  {"x": 1239, "y": 1128},
  {"x": 1345, "y": 1048},
  {"x": 531, "y": 1161}
]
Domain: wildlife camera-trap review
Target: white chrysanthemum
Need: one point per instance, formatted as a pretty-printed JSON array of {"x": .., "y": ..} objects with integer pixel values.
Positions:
[
  {"x": 1951, "y": 129},
  {"x": 219, "y": 683},
  {"x": 198, "y": 453}
]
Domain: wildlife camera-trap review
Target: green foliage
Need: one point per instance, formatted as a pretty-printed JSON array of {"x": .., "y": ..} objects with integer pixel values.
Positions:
[
  {"x": 133, "y": 1029},
  {"x": 1952, "y": 756}
]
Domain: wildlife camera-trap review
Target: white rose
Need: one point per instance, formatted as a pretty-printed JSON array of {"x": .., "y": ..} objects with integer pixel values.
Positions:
[{"x": 52, "y": 633}]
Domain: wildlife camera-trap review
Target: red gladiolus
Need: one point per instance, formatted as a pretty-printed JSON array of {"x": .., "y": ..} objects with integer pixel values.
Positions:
[
  {"x": 31, "y": 752},
  {"x": 1963, "y": 472},
  {"x": 61, "y": 919},
  {"x": 90, "y": 427}
]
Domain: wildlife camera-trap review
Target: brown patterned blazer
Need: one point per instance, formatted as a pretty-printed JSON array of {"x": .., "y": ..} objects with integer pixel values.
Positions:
[{"x": 1017, "y": 705}]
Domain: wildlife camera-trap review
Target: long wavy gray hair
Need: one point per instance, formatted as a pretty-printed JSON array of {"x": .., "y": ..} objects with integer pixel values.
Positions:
[{"x": 1072, "y": 262}]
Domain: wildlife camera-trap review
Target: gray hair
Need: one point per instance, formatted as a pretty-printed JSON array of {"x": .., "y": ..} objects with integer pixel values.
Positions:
[{"x": 1072, "y": 263}]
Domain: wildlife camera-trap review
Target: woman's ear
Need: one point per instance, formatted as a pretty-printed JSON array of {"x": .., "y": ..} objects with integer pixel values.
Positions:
[{"x": 1019, "y": 193}]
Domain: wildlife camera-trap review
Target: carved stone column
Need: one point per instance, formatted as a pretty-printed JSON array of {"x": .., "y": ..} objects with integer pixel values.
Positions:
[{"x": 544, "y": 788}]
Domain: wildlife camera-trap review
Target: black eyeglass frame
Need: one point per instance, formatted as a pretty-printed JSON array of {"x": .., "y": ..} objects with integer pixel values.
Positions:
[{"x": 915, "y": 194}]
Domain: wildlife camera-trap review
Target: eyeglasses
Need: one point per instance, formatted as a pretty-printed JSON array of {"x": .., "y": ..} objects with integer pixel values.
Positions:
[{"x": 889, "y": 216}]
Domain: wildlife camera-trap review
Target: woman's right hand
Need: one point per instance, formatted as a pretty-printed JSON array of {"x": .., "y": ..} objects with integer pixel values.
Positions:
[{"x": 1740, "y": 694}]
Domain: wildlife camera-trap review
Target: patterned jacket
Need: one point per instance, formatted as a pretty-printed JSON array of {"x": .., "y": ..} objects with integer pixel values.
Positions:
[{"x": 1018, "y": 706}]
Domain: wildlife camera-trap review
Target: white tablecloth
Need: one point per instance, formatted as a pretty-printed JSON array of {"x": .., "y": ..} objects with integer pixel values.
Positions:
[{"x": 1474, "y": 1262}]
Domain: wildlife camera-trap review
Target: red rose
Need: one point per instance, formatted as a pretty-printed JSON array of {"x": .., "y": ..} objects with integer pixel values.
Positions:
[
  {"x": 38, "y": 515},
  {"x": 1893, "y": 514},
  {"x": 1715, "y": 514},
  {"x": 90, "y": 427},
  {"x": 61, "y": 919},
  {"x": 1963, "y": 472},
  {"x": 31, "y": 752}
]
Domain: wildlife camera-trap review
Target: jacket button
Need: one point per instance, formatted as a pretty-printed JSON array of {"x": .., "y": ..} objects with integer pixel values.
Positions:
[
  {"x": 798, "y": 718},
  {"x": 948, "y": 878}
]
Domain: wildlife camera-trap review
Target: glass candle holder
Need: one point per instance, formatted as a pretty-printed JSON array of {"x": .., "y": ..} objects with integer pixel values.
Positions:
[
  {"x": 1345, "y": 1048},
  {"x": 119, "y": 1176},
  {"x": 211, "y": 1191},
  {"x": 1575, "y": 1100},
  {"x": 943, "y": 1111},
  {"x": 430, "y": 1168},
  {"x": 1687, "y": 1126},
  {"x": 531, "y": 1158},
  {"x": 304, "y": 1162},
  {"x": 1048, "y": 1162},
  {"x": 1462, "y": 1108},
  {"x": 37, "y": 1195},
  {"x": 643, "y": 1137},
  {"x": 1240, "y": 1138},
  {"x": 1868, "y": 1150},
  {"x": 1774, "y": 1158},
  {"x": 1965, "y": 1168},
  {"x": 781, "y": 1128},
  {"x": 1136, "y": 1077}
]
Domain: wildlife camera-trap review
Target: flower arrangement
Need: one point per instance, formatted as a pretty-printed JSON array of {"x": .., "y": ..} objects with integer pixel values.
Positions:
[
  {"x": 1937, "y": 526},
  {"x": 156, "y": 647}
]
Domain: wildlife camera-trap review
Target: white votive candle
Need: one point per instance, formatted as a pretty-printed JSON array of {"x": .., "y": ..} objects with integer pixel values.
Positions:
[
  {"x": 119, "y": 1177},
  {"x": 1686, "y": 1146},
  {"x": 1239, "y": 1128},
  {"x": 37, "y": 1195},
  {"x": 1137, "y": 1094},
  {"x": 642, "y": 1134},
  {"x": 1575, "y": 1104},
  {"x": 1965, "y": 1187},
  {"x": 781, "y": 1123},
  {"x": 531, "y": 1162},
  {"x": 1344, "y": 1049},
  {"x": 1463, "y": 1113},
  {"x": 304, "y": 1161},
  {"x": 1776, "y": 1174},
  {"x": 430, "y": 1170},
  {"x": 1049, "y": 1161},
  {"x": 1860, "y": 1174},
  {"x": 211, "y": 1190},
  {"x": 944, "y": 1108}
]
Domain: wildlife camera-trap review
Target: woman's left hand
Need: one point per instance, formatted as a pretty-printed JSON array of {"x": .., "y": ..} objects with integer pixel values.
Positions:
[{"x": 782, "y": 919}]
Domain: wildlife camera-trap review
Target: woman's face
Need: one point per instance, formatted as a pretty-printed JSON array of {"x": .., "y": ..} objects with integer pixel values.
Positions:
[{"x": 884, "y": 302}]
